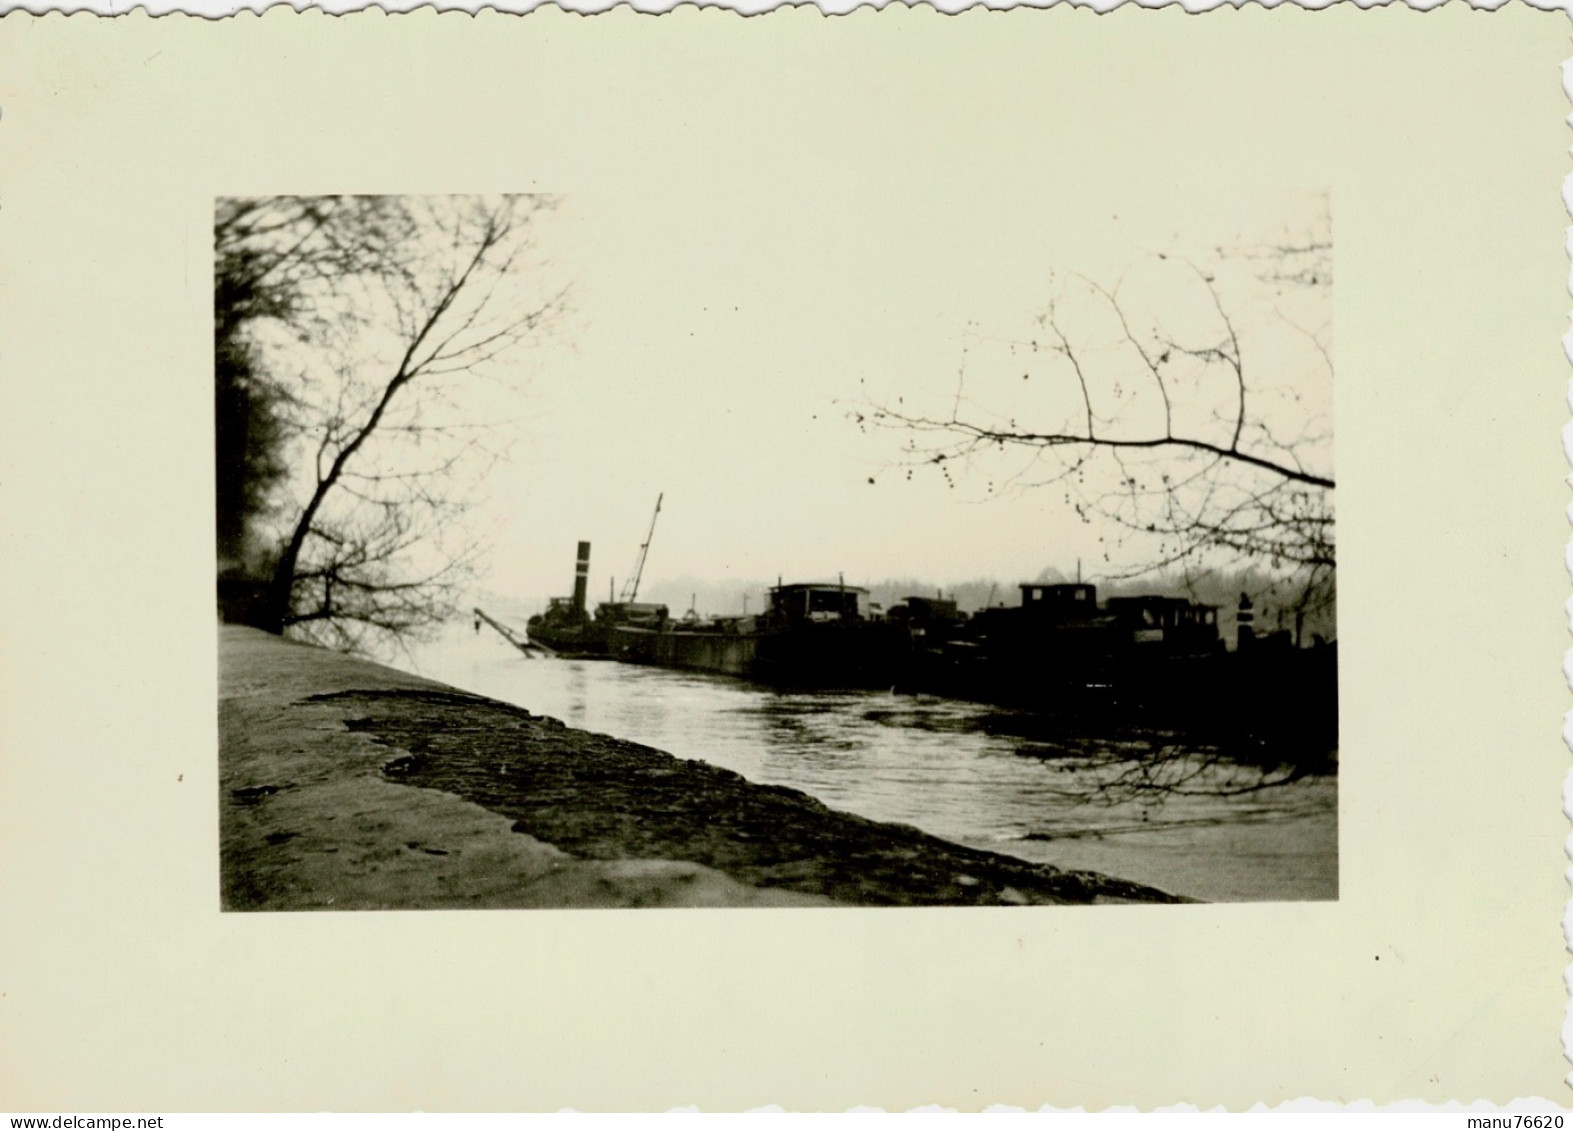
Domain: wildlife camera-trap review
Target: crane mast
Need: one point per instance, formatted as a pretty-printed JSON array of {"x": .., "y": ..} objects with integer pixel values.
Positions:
[{"x": 631, "y": 590}]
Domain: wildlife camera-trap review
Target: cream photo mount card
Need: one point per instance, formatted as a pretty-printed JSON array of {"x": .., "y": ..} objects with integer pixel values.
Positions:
[{"x": 925, "y": 387}]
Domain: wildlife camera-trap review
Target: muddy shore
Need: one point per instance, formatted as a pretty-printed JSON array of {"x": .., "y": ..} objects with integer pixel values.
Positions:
[{"x": 348, "y": 785}]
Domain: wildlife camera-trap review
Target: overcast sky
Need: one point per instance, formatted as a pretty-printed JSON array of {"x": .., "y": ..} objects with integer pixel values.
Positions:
[{"x": 719, "y": 341}]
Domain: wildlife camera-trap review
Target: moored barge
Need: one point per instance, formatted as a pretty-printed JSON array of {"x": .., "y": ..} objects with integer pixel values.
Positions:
[
  {"x": 1060, "y": 650},
  {"x": 567, "y": 629},
  {"x": 811, "y": 633}
]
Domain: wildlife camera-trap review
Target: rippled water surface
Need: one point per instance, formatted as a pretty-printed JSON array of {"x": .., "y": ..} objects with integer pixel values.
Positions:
[{"x": 967, "y": 772}]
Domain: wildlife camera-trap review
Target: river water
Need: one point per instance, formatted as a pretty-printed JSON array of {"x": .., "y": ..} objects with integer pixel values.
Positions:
[{"x": 970, "y": 773}]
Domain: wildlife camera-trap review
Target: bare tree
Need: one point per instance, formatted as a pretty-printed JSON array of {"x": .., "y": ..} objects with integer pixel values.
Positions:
[
  {"x": 1154, "y": 768},
  {"x": 1185, "y": 403},
  {"x": 374, "y": 316}
]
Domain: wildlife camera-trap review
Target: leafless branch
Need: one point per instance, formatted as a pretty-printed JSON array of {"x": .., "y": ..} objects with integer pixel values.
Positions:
[{"x": 441, "y": 277}]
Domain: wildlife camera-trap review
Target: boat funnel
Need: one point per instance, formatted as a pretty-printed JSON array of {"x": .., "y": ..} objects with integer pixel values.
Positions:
[{"x": 581, "y": 578}]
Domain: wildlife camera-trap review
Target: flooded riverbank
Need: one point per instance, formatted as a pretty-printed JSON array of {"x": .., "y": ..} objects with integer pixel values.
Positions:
[{"x": 966, "y": 772}]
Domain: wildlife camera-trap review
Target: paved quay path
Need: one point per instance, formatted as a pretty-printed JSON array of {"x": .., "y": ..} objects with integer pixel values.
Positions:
[{"x": 348, "y": 785}]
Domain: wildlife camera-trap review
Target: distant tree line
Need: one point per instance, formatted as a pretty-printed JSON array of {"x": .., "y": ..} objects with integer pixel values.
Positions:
[{"x": 1276, "y": 598}]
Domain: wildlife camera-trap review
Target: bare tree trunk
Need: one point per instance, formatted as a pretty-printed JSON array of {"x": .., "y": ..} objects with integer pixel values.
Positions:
[{"x": 428, "y": 351}]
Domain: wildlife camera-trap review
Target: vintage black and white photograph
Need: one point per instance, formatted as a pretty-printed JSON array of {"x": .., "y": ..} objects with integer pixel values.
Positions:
[
  {"x": 784, "y": 561},
  {"x": 827, "y": 552}
]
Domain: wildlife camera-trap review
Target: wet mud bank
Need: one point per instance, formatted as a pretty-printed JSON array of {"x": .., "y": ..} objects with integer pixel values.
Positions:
[{"x": 345, "y": 784}]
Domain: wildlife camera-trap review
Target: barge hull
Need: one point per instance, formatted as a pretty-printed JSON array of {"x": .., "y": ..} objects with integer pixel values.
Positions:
[{"x": 725, "y": 653}]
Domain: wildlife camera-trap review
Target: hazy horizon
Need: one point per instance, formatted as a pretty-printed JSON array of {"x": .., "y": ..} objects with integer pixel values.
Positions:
[
  {"x": 722, "y": 345},
  {"x": 1274, "y": 598}
]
